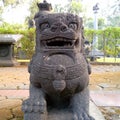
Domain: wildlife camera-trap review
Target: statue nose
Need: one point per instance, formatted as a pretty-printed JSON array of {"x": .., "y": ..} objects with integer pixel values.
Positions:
[
  {"x": 60, "y": 28},
  {"x": 63, "y": 28}
]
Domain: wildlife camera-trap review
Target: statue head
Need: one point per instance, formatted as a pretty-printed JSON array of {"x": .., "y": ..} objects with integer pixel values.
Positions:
[{"x": 57, "y": 31}]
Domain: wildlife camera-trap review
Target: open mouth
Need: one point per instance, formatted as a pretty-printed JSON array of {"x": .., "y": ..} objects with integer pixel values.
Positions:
[{"x": 59, "y": 43}]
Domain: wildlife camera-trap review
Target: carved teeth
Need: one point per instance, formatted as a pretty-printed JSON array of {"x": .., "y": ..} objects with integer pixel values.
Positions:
[
  {"x": 59, "y": 43},
  {"x": 57, "y": 39}
]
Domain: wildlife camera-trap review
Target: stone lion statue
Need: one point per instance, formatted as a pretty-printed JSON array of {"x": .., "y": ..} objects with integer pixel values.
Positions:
[{"x": 59, "y": 71}]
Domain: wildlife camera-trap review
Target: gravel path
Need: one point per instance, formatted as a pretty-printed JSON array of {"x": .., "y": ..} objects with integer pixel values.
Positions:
[{"x": 105, "y": 68}]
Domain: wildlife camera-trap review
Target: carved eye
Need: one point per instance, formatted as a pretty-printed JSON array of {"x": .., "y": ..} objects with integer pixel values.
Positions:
[
  {"x": 73, "y": 26},
  {"x": 44, "y": 26}
]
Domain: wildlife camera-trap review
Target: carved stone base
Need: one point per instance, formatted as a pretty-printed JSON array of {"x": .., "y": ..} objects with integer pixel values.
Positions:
[
  {"x": 60, "y": 115},
  {"x": 53, "y": 115},
  {"x": 34, "y": 116}
]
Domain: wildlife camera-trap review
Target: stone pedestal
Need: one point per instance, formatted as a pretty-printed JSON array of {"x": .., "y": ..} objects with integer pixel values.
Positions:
[{"x": 7, "y": 42}]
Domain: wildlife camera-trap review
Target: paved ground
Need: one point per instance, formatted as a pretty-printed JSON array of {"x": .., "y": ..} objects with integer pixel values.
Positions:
[{"x": 104, "y": 91}]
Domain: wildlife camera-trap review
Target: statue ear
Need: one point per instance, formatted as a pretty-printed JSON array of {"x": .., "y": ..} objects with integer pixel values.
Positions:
[{"x": 36, "y": 15}]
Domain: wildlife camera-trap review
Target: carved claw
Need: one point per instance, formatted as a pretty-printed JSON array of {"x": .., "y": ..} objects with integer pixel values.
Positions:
[
  {"x": 82, "y": 116},
  {"x": 34, "y": 105}
]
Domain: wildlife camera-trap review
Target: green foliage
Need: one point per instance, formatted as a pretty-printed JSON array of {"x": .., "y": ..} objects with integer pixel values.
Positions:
[
  {"x": 116, "y": 7},
  {"x": 108, "y": 39},
  {"x": 114, "y": 21},
  {"x": 9, "y": 2},
  {"x": 72, "y": 7},
  {"x": 75, "y": 7},
  {"x": 27, "y": 42},
  {"x": 59, "y": 8},
  {"x": 109, "y": 59},
  {"x": 13, "y": 3},
  {"x": 101, "y": 23},
  {"x": 1, "y": 10},
  {"x": 89, "y": 34},
  {"x": 6, "y": 28},
  {"x": 89, "y": 23},
  {"x": 33, "y": 8},
  {"x": 112, "y": 36}
]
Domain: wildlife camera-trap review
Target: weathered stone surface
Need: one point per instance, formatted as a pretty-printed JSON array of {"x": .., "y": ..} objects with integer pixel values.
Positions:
[
  {"x": 59, "y": 70},
  {"x": 6, "y": 50}
]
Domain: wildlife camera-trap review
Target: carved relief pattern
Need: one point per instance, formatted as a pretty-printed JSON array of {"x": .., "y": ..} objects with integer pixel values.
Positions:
[{"x": 4, "y": 51}]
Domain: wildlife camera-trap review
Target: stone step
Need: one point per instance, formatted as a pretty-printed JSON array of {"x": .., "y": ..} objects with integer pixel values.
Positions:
[
  {"x": 100, "y": 98},
  {"x": 106, "y": 98}
]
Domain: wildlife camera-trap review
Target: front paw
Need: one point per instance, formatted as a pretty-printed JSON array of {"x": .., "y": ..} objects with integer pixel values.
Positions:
[
  {"x": 82, "y": 116},
  {"x": 34, "y": 105}
]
